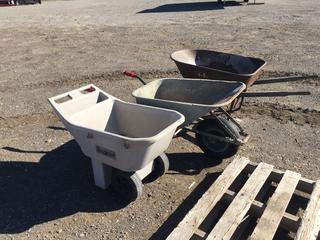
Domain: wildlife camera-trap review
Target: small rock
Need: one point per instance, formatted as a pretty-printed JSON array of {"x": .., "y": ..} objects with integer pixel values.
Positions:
[
  {"x": 81, "y": 235},
  {"x": 59, "y": 231}
]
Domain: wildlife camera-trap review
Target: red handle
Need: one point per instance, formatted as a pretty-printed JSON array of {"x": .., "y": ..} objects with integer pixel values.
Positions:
[{"x": 130, "y": 74}]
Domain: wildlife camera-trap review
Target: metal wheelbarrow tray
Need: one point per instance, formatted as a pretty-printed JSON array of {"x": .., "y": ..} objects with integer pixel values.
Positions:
[
  {"x": 191, "y": 97},
  {"x": 207, "y": 64},
  {"x": 117, "y": 135},
  {"x": 197, "y": 99}
]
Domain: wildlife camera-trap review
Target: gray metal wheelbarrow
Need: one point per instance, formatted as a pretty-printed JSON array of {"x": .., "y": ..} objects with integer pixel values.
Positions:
[{"x": 217, "y": 134}]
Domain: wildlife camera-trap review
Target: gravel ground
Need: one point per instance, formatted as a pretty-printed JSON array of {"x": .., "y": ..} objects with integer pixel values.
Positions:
[{"x": 47, "y": 189}]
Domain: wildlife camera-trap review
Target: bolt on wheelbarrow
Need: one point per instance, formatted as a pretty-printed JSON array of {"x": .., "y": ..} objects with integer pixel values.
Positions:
[
  {"x": 206, "y": 64},
  {"x": 218, "y": 135}
]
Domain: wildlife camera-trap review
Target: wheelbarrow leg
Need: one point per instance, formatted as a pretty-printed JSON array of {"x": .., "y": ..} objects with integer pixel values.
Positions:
[{"x": 101, "y": 173}]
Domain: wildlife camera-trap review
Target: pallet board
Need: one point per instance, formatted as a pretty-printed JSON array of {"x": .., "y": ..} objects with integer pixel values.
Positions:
[
  {"x": 311, "y": 221},
  {"x": 253, "y": 199},
  {"x": 272, "y": 215}
]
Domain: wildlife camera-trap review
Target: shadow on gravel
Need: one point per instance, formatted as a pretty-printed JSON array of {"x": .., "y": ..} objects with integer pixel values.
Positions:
[
  {"x": 190, "y": 163},
  {"x": 57, "y": 128},
  {"x": 176, "y": 217},
  {"x": 60, "y": 185},
  {"x": 190, "y": 7},
  {"x": 186, "y": 164},
  {"x": 18, "y": 150}
]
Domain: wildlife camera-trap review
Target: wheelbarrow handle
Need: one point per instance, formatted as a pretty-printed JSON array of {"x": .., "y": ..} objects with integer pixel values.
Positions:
[
  {"x": 284, "y": 79},
  {"x": 133, "y": 75},
  {"x": 273, "y": 93},
  {"x": 129, "y": 74}
]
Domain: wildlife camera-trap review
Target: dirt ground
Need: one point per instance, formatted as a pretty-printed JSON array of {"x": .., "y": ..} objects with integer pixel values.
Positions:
[{"x": 46, "y": 183}]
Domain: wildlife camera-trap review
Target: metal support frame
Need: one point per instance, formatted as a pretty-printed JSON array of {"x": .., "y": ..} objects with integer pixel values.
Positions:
[
  {"x": 284, "y": 79},
  {"x": 237, "y": 103},
  {"x": 232, "y": 138},
  {"x": 242, "y": 132}
]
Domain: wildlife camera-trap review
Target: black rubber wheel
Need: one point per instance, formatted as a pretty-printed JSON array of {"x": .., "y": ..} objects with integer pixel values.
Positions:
[
  {"x": 213, "y": 147},
  {"x": 161, "y": 166},
  {"x": 127, "y": 184}
]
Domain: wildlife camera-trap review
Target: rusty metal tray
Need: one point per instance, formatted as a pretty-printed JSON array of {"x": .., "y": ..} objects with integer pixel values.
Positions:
[{"x": 207, "y": 64}]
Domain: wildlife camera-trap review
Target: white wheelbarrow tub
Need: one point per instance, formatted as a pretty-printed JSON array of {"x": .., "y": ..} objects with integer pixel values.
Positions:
[
  {"x": 191, "y": 97},
  {"x": 123, "y": 135}
]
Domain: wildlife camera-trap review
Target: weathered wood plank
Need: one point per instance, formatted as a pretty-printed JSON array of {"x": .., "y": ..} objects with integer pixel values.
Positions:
[
  {"x": 272, "y": 215},
  {"x": 197, "y": 214},
  {"x": 239, "y": 207},
  {"x": 305, "y": 185},
  {"x": 310, "y": 224},
  {"x": 289, "y": 222}
]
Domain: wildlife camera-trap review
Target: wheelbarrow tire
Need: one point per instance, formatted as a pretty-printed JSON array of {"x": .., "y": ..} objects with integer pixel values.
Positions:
[
  {"x": 127, "y": 184},
  {"x": 212, "y": 147},
  {"x": 161, "y": 166}
]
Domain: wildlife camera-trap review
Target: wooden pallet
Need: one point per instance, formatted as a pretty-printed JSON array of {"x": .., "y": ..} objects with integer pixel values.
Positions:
[{"x": 253, "y": 201}]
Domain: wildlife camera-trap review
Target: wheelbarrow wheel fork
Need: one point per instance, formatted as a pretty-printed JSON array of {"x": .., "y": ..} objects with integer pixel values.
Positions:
[
  {"x": 214, "y": 136},
  {"x": 229, "y": 117},
  {"x": 236, "y": 104},
  {"x": 232, "y": 131},
  {"x": 216, "y": 141}
]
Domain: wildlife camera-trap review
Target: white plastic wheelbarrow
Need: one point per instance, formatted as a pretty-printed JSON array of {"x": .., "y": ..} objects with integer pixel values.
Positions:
[
  {"x": 201, "y": 102},
  {"x": 125, "y": 141}
]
